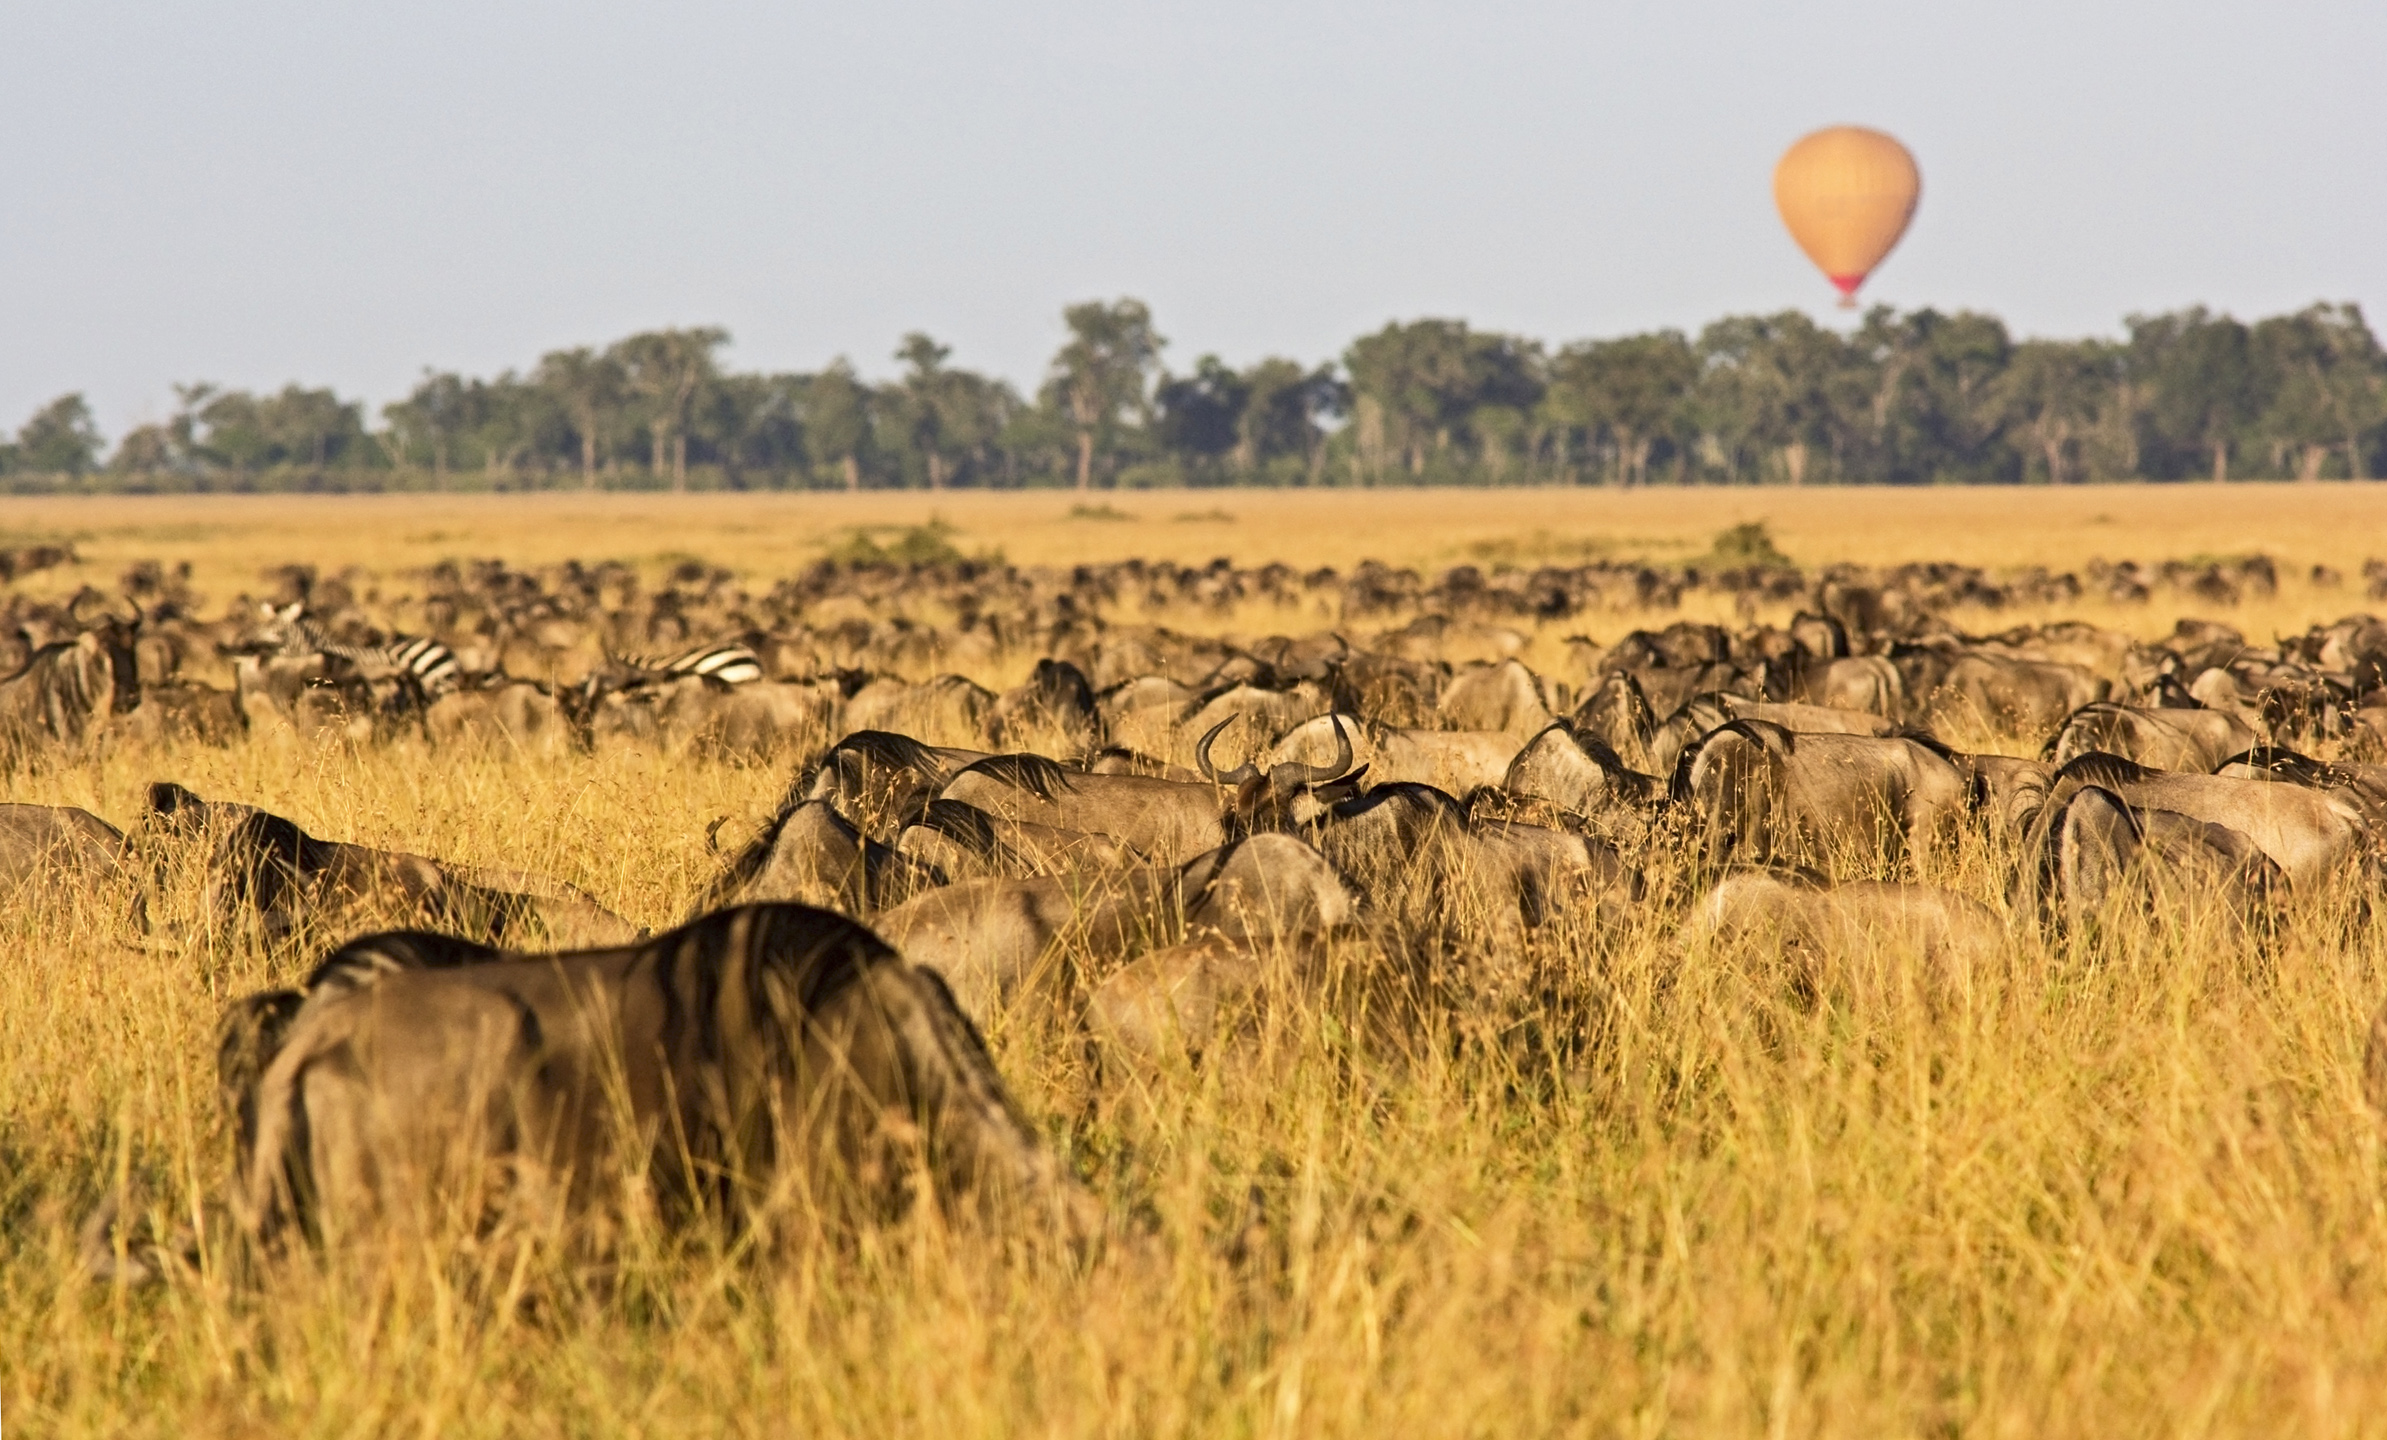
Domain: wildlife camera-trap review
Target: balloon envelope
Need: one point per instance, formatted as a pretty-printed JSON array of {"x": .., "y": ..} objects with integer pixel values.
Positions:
[{"x": 1846, "y": 193}]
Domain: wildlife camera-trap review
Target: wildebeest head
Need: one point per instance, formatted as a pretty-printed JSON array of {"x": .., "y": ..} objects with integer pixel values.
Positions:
[
  {"x": 1290, "y": 793},
  {"x": 113, "y": 632}
]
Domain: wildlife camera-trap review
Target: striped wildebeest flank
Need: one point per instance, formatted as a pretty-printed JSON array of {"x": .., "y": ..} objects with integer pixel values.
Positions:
[
  {"x": 65, "y": 693},
  {"x": 774, "y": 1068}
]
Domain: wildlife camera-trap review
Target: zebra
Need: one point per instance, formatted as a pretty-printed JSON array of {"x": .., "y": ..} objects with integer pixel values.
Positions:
[
  {"x": 729, "y": 662},
  {"x": 429, "y": 664}
]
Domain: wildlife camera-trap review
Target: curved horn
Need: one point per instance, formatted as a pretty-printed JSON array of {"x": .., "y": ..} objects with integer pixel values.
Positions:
[
  {"x": 1320, "y": 774},
  {"x": 1202, "y": 750},
  {"x": 1236, "y": 776}
]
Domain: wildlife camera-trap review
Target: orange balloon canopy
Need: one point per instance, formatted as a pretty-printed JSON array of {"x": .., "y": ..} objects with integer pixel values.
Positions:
[{"x": 1846, "y": 193}]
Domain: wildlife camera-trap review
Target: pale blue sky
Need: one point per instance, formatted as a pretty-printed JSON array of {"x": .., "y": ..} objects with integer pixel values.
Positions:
[{"x": 253, "y": 192}]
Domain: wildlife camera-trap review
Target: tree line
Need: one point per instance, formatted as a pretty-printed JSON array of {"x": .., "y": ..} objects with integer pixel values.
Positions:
[{"x": 1918, "y": 397}]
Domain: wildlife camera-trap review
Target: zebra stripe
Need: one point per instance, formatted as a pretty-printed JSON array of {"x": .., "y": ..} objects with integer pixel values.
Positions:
[
  {"x": 731, "y": 664},
  {"x": 432, "y": 665}
]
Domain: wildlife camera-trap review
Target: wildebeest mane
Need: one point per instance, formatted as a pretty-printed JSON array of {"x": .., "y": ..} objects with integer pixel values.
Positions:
[
  {"x": 1039, "y": 775},
  {"x": 2289, "y": 765},
  {"x": 2102, "y": 768},
  {"x": 958, "y": 820}
]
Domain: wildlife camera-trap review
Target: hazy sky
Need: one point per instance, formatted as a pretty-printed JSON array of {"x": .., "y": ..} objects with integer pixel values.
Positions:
[{"x": 337, "y": 193}]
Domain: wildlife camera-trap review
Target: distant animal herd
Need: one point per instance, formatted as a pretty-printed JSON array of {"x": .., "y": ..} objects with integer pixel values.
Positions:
[{"x": 1166, "y": 821}]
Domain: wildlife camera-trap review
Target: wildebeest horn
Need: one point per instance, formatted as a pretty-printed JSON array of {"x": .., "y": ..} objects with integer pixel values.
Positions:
[
  {"x": 107, "y": 610},
  {"x": 1236, "y": 776},
  {"x": 1320, "y": 774}
]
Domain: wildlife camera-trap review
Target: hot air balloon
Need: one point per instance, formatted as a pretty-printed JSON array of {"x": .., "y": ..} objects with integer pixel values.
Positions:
[{"x": 1846, "y": 194}]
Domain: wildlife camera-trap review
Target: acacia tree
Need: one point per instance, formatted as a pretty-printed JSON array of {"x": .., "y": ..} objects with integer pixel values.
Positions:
[
  {"x": 2201, "y": 381},
  {"x": 1766, "y": 383},
  {"x": 435, "y": 414},
  {"x": 837, "y": 418},
  {"x": 589, "y": 389},
  {"x": 2052, "y": 391},
  {"x": 60, "y": 439},
  {"x": 664, "y": 368},
  {"x": 2327, "y": 382},
  {"x": 1632, "y": 391},
  {"x": 1099, "y": 379}
]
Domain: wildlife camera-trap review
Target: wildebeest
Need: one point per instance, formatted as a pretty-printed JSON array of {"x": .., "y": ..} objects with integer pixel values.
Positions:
[
  {"x": 770, "y": 1065},
  {"x": 878, "y": 779},
  {"x": 57, "y": 850},
  {"x": 1164, "y": 819},
  {"x": 2310, "y": 834},
  {"x": 64, "y": 691},
  {"x": 1838, "y": 803},
  {"x": 961, "y": 841},
  {"x": 1864, "y": 941},
  {"x": 996, "y": 940},
  {"x": 2018, "y": 697},
  {"x": 516, "y": 715},
  {"x": 811, "y": 855},
  {"x": 1055, "y": 699},
  {"x": 1501, "y": 695},
  {"x": 260, "y": 869},
  {"x": 1458, "y": 761},
  {"x": 2167, "y": 739},
  {"x": 1577, "y": 772},
  {"x": 2092, "y": 853}
]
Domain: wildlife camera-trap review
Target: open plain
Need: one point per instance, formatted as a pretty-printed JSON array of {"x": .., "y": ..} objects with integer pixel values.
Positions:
[{"x": 1599, "y": 1165}]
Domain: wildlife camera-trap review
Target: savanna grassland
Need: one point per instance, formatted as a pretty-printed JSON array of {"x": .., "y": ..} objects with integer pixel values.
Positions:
[{"x": 2131, "y": 1193}]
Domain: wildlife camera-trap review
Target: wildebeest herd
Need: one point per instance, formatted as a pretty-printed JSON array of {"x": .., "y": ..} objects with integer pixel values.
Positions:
[{"x": 1402, "y": 807}]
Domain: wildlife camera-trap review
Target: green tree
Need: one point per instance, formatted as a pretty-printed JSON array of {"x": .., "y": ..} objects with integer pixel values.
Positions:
[
  {"x": 2202, "y": 384},
  {"x": 433, "y": 420},
  {"x": 664, "y": 369},
  {"x": 1933, "y": 412},
  {"x": 1099, "y": 378},
  {"x": 837, "y": 417},
  {"x": 1284, "y": 413},
  {"x": 1624, "y": 394},
  {"x": 590, "y": 389},
  {"x": 1766, "y": 389},
  {"x": 1200, "y": 416},
  {"x": 60, "y": 439},
  {"x": 2326, "y": 383},
  {"x": 944, "y": 419},
  {"x": 2051, "y": 393},
  {"x": 1421, "y": 383}
]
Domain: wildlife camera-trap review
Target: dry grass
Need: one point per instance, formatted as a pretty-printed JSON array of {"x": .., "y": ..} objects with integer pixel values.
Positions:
[{"x": 2123, "y": 1194}]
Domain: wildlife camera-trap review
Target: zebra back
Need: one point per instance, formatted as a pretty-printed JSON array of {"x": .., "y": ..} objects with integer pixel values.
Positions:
[
  {"x": 730, "y": 663},
  {"x": 430, "y": 664}
]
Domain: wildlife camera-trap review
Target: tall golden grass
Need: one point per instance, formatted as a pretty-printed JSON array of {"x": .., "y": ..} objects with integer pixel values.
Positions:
[{"x": 2124, "y": 1192}]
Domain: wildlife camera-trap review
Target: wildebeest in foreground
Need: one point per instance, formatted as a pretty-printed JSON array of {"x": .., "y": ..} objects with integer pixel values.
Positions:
[{"x": 774, "y": 1067}]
